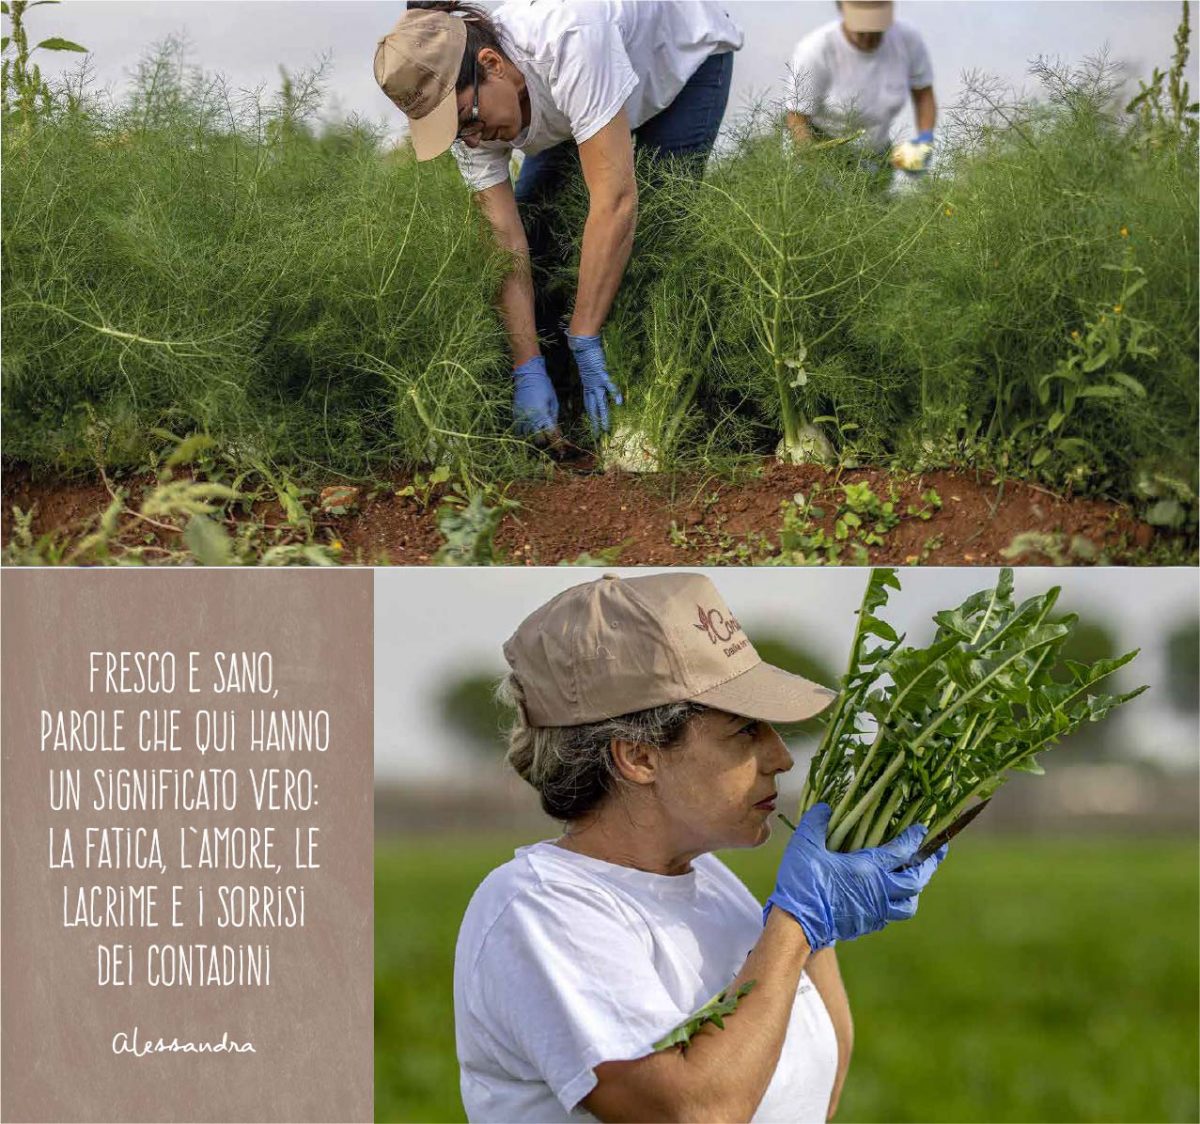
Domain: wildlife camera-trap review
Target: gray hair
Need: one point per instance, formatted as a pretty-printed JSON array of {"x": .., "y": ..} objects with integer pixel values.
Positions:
[{"x": 572, "y": 767}]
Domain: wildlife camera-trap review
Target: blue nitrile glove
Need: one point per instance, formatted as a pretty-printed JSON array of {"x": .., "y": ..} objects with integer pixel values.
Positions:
[
  {"x": 535, "y": 405},
  {"x": 593, "y": 373},
  {"x": 924, "y": 137},
  {"x": 837, "y": 897}
]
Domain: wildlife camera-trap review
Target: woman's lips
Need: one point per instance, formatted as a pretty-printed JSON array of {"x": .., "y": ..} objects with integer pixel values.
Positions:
[{"x": 768, "y": 804}]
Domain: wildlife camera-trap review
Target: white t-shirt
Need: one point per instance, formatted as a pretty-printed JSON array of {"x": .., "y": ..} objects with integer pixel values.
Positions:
[
  {"x": 582, "y": 60},
  {"x": 842, "y": 88},
  {"x": 564, "y": 962}
]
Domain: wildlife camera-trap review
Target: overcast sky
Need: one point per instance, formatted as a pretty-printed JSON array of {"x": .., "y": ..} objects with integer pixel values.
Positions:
[
  {"x": 248, "y": 40},
  {"x": 433, "y": 623}
]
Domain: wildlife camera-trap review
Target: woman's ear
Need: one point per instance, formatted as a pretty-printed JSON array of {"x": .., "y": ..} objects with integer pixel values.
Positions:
[
  {"x": 491, "y": 62},
  {"x": 635, "y": 761}
]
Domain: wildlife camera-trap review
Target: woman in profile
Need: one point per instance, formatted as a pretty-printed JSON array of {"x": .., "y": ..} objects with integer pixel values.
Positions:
[{"x": 643, "y": 719}]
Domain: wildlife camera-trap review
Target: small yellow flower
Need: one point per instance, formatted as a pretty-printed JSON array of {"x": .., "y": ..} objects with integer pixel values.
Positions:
[
  {"x": 1117, "y": 308},
  {"x": 948, "y": 212},
  {"x": 1124, "y": 232},
  {"x": 336, "y": 545},
  {"x": 1075, "y": 334}
]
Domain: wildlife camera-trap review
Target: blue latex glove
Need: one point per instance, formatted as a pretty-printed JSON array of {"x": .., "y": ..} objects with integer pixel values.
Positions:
[
  {"x": 837, "y": 897},
  {"x": 925, "y": 137},
  {"x": 593, "y": 373},
  {"x": 535, "y": 405}
]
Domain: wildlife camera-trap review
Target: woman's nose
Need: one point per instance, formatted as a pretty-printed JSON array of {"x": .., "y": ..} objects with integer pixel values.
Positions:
[{"x": 778, "y": 757}]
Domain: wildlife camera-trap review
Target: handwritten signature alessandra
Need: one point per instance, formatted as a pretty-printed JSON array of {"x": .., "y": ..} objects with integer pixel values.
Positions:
[{"x": 124, "y": 1043}]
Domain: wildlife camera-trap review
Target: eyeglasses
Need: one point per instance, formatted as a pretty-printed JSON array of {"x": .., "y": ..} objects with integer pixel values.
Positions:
[{"x": 473, "y": 126}]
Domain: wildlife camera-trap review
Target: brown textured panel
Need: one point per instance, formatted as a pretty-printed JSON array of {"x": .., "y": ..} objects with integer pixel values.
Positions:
[{"x": 312, "y": 1027}]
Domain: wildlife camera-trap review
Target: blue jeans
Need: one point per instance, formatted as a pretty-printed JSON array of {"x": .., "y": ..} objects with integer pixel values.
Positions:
[{"x": 685, "y": 131}]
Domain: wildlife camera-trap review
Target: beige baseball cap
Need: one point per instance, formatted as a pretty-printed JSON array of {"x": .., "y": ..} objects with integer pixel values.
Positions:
[
  {"x": 619, "y": 645},
  {"x": 867, "y": 15},
  {"x": 417, "y": 65}
]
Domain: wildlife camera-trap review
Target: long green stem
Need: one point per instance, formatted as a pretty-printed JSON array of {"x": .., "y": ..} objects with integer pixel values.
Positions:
[
  {"x": 858, "y": 839},
  {"x": 866, "y": 803},
  {"x": 787, "y": 406},
  {"x": 823, "y": 759},
  {"x": 910, "y": 815},
  {"x": 879, "y": 826},
  {"x": 859, "y": 775}
]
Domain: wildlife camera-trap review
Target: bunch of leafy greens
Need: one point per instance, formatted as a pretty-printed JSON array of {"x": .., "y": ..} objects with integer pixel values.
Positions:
[{"x": 918, "y": 734}]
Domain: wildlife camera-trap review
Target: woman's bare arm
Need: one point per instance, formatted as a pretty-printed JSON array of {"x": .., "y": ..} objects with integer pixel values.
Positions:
[
  {"x": 822, "y": 969},
  {"x": 499, "y": 205},
  {"x": 801, "y": 127},
  {"x": 607, "y": 163},
  {"x": 722, "y": 1074},
  {"x": 924, "y": 109}
]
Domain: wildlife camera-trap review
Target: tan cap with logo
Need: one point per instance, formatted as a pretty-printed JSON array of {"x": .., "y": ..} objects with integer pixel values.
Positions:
[
  {"x": 615, "y": 646},
  {"x": 867, "y": 15},
  {"x": 417, "y": 65}
]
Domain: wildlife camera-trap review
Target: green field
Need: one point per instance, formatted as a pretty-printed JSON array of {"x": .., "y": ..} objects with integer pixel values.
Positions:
[{"x": 1041, "y": 981}]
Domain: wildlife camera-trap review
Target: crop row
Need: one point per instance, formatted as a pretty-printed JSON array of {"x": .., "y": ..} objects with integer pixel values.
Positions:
[{"x": 184, "y": 260}]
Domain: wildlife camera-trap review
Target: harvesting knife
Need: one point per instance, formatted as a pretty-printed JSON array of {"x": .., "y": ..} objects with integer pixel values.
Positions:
[{"x": 948, "y": 833}]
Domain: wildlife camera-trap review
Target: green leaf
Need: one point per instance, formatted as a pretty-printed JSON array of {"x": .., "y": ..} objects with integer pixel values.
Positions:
[
  {"x": 56, "y": 44},
  {"x": 208, "y": 542},
  {"x": 469, "y": 531},
  {"x": 1137, "y": 286},
  {"x": 714, "y": 1011},
  {"x": 4, "y": 7},
  {"x": 189, "y": 449},
  {"x": 1056, "y": 419},
  {"x": 1102, "y": 391},
  {"x": 880, "y": 628},
  {"x": 1040, "y": 456},
  {"x": 1166, "y": 513},
  {"x": 1129, "y": 382}
]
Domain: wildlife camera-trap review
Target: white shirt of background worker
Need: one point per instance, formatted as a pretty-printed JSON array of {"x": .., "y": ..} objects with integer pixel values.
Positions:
[{"x": 857, "y": 72}]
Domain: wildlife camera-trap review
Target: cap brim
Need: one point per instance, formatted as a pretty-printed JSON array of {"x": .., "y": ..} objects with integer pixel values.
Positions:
[
  {"x": 868, "y": 19},
  {"x": 434, "y": 133},
  {"x": 769, "y": 694}
]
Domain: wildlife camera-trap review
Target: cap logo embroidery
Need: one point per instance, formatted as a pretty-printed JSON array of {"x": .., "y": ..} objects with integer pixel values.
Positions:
[{"x": 716, "y": 626}]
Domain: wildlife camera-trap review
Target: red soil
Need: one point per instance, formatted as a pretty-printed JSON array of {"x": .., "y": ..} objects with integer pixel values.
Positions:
[{"x": 681, "y": 520}]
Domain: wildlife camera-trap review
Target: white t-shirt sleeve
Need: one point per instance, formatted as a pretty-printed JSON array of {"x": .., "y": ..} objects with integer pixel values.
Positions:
[
  {"x": 920, "y": 69},
  {"x": 566, "y": 978},
  {"x": 591, "y": 77},
  {"x": 481, "y": 167},
  {"x": 810, "y": 77}
]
